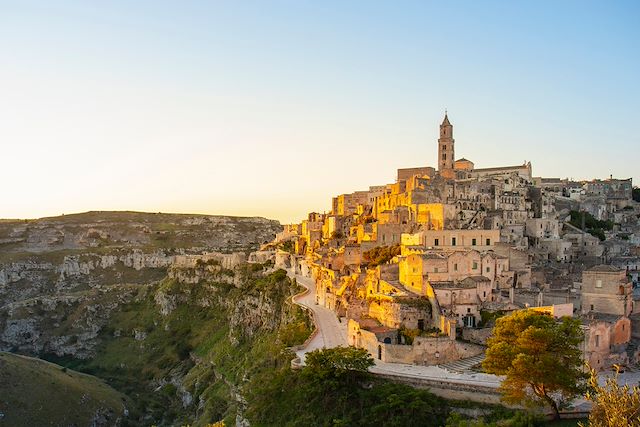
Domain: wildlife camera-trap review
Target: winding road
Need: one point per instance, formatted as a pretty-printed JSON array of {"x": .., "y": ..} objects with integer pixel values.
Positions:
[{"x": 333, "y": 333}]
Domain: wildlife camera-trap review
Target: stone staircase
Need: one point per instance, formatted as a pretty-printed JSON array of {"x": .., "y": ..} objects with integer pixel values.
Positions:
[{"x": 463, "y": 366}]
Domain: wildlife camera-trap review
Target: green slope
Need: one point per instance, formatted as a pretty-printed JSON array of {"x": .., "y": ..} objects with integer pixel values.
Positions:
[{"x": 38, "y": 393}]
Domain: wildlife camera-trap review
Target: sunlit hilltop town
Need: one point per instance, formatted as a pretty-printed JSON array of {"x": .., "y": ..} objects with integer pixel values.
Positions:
[{"x": 420, "y": 269}]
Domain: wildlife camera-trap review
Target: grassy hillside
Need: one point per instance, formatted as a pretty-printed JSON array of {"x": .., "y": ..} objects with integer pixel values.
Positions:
[
  {"x": 188, "y": 367},
  {"x": 38, "y": 393}
]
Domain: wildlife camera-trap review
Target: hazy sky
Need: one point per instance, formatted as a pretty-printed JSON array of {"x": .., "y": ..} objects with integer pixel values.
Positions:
[{"x": 269, "y": 108}]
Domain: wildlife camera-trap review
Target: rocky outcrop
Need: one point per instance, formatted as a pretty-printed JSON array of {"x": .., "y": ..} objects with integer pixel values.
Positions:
[
  {"x": 60, "y": 278},
  {"x": 100, "y": 230},
  {"x": 61, "y": 325}
]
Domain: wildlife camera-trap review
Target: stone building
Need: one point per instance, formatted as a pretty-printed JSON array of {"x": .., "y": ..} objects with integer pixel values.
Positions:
[
  {"x": 451, "y": 239},
  {"x": 416, "y": 269},
  {"x": 386, "y": 345},
  {"x": 606, "y": 341},
  {"x": 347, "y": 204},
  {"x": 606, "y": 289},
  {"x": 463, "y": 299},
  {"x": 446, "y": 152},
  {"x": 607, "y": 303},
  {"x": 463, "y": 164},
  {"x": 406, "y": 173}
]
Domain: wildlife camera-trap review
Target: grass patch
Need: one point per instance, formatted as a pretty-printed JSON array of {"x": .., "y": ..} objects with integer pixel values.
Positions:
[{"x": 33, "y": 390}]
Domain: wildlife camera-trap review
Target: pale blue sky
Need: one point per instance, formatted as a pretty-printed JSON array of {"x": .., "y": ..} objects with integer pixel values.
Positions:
[{"x": 270, "y": 108}]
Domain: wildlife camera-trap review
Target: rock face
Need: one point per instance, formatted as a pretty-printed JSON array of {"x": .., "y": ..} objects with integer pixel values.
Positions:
[{"x": 60, "y": 278}]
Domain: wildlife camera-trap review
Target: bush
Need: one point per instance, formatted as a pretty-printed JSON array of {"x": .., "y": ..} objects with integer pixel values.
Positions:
[
  {"x": 339, "y": 364},
  {"x": 380, "y": 255},
  {"x": 592, "y": 225}
]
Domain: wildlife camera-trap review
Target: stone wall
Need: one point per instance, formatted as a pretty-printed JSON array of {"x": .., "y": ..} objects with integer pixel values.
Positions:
[
  {"x": 448, "y": 389},
  {"x": 477, "y": 336},
  {"x": 423, "y": 351}
]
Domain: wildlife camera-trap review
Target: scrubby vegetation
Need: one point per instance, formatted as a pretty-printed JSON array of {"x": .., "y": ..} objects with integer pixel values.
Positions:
[
  {"x": 592, "y": 225},
  {"x": 380, "y": 255},
  {"x": 198, "y": 353},
  {"x": 488, "y": 318},
  {"x": 185, "y": 367},
  {"x": 288, "y": 246},
  {"x": 614, "y": 405},
  {"x": 335, "y": 389}
]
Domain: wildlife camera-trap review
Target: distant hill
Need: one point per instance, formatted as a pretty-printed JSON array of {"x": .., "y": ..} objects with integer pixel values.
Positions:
[
  {"x": 105, "y": 231},
  {"x": 38, "y": 393}
]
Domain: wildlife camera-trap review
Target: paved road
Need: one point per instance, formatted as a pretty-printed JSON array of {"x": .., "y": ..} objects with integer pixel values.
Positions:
[{"x": 332, "y": 333}]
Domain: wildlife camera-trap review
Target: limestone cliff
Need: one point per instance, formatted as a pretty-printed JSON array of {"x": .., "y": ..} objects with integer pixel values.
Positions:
[
  {"x": 61, "y": 277},
  {"x": 166, "y": 308}
]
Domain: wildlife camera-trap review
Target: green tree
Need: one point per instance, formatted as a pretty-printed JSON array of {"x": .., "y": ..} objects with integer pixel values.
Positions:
[
  {"x": 339, "y": 365},
  {"x": 593, "y": 226},
  {"x": 380, "y": 255},
  {"x": 337, "y": 234},
  {"x": 540, "y": 358},
  {"x": 613, "y": 405}
]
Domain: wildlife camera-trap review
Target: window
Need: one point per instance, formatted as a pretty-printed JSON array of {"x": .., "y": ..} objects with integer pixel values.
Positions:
[
  {"x": 597, "y": 340},
  {"x": 436, "y": 242},
  {"x": 488, "y": 269},
  {"x": 488, "y": 242},
  {"x": 591, "y": 307},
  {"x": 455, "y": 267},
  {"x": 484, "y": 294},
  {"x": 473, "y": 242},
  {"x": 598, "y": 283},
  {"x": 453, "y": 241},
  {"x": 444, "y": 156},
  {"x": 435, "y": 270},
  {"x": 475, "y": 265}
]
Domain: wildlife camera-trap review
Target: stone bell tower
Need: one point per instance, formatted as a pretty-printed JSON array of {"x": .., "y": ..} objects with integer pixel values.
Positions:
[{"x": 446, "y": 154}]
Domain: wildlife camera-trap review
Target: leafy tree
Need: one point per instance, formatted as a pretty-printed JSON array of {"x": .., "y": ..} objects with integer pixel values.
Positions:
[
  {"x": 539, "y": 356},
  {"x": 338, "y": 365},
  {"x": 288, "y": 246},
  {"x": 337, "y": 234},
  {"x": 593, "y": 226},
  {"x": 380, "y": 255},
  {"x": 636, "y": 194},
  {"x": 613, "y": 405}
]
